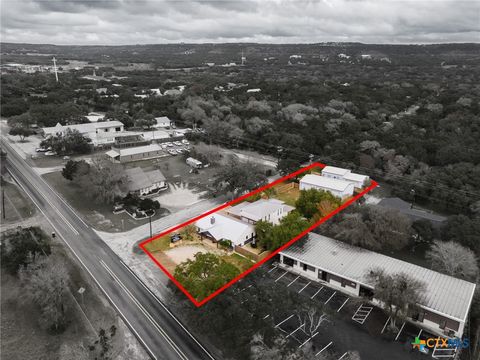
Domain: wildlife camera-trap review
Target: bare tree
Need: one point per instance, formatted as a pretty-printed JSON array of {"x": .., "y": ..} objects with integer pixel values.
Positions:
[
  {"x": 46, "y": 282},
  {"x": 396, "y": 292},
  {"x": 311, "y": 320},
  {"x": 453, "y": 259}
]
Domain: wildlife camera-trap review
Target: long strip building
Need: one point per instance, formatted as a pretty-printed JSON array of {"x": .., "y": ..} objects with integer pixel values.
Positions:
[{"x": 445, "y": 301}]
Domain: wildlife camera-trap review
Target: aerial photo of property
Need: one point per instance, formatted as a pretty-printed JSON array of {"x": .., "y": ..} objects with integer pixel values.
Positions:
[{"x": 239, "y": 180}]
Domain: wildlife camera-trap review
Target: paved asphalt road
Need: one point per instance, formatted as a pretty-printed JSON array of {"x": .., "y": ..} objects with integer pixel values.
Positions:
[{"x": 162, "y": 335}]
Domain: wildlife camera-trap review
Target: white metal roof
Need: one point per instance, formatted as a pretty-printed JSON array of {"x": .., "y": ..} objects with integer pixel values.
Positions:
[
  {"x": 355, "y": 177},
  {"x": 259, "y": 209},
  {"x": 443, "y": 294},
  {"x": 83, "y": 128},
  {"x": 335, "y": 170},
  {"x": 139, "y": 179},
  {"x": 325, "y": 182},
  {"x": 139, "y": 149},
  {"x": 224, "y": 227}
]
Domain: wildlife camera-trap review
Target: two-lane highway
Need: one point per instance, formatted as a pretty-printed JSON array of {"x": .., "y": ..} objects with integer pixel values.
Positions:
[{"x": 159, "y": 331}]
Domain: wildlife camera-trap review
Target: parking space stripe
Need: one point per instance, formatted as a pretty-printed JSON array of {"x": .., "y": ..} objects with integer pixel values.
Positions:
[
  {"x": 304, "y": 287},
  {"x": 291, "y": 282},
  {"x": 341, "y": 357},
  {"x": 340, "y": 308},
  {"x": 310, "y": 338},
  {"x": 294, "y": 331},
  {"x": 324, "y": 348},
  {"x": 401, "y": 329},
  {"x": 266, "y": 316},
  {"x": 385, "y": 326},
  {"x": 272, "y": 269},
  {"x": 316, "y": 292},
  {"x": 420, "y": 333},
  {"x": 330, "y": 298},
  {"x": 285, "y": 273},
  {"x": 284, "y": 321}
]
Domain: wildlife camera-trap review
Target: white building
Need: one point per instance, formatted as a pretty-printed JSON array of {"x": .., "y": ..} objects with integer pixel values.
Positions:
[
  {"x": 358, "y": 180},
  {"x": 101, "y": 133},
  {"x": 338, "y": 188},
  {"x": 271, "y": 210},
  {"x": 222, "y": 227},
  {"x": 194, "y": 163},
  {"x": 136, "y": 153},
  {"x": 145, "y": 182},
  {"x": 162, "y": 122},
  {"x": 445, "y": 301}
]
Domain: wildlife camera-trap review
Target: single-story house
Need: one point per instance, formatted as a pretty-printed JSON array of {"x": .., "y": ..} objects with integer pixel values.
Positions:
[
  {"x": 271, "y": 210},
  {"x": 145, "y": 182},
  {"x": 413, "y": 213},
  {"x": 445, "y": 301},
  {"x": 337, "y": 187},
  {"x": 100, "y": 133},
  {"x": 151, "y": 151},
  {"x": 162, "y": 122},
  {"x": 219, "y": 227},
  {"x": 333, "y": 172}
]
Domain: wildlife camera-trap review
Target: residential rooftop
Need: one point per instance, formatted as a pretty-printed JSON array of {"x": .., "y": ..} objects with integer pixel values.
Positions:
[{"x": 325, "y": 182}]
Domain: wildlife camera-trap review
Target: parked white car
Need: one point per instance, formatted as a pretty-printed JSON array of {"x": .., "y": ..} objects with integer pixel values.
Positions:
[
  {"x": 185, "y": 142},
  {"x": 178, "y": 143},
  {"x": 172, "y": 152},
  {"x": 50, "y": 153}
]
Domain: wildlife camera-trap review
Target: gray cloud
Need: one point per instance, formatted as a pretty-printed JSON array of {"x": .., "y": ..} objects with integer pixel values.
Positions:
[{"x": 277, "y": 21}]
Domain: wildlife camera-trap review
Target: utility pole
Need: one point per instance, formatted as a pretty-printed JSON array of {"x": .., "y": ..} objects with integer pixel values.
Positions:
[
  {"x": 3, "y": 203},
  {"x": 55, "y": 68},
  {"x": 412, "y": 192},
  {"x": 150, "y": 221}
]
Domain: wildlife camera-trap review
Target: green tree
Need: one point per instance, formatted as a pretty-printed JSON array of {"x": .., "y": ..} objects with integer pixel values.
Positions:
[
  {"x": 71, "y": 167},
  {"x": 205, "y": 274},
  {"x": 73, "y": 142},
  {"x": 464, "y": 231},
  {"x": 309, "y": 201}
]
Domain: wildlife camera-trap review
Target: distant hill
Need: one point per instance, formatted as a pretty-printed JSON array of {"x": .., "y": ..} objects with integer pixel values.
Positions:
[{"x": 173, "y": 55}]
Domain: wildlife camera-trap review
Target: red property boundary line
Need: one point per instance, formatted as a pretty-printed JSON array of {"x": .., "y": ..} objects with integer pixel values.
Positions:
[{"x": 231, "y": 282}]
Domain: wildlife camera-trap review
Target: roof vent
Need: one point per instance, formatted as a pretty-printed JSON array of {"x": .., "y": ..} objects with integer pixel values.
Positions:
[
  {"x": 334, "y": 252},
  {"x": 212, "y": 220}
]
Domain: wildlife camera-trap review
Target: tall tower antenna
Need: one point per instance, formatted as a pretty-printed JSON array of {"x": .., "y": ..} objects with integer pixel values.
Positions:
[{"x": 55, "y": 68}]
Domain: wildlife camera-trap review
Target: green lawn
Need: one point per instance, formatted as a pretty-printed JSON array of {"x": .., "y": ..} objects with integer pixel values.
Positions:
[
  {"x": 98, "y": 215},
  {"x": 289, "y": 197},
  {"x": 160, "y": 244},
  {"x": 238, "y": 261}
]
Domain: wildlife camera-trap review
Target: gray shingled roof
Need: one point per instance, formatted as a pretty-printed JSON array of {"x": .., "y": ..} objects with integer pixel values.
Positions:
[{"x": 443, "y": 294}]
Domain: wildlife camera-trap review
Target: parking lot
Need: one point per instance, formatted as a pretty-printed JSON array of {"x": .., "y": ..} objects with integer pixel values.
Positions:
[{"x": 352, "y": 323}]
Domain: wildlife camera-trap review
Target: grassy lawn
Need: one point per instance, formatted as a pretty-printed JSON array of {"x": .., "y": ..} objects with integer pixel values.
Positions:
[
  {"x": 238, "y": 261},
  {"x": 17, "y": 205},
  {"x": 160, "y": 244},
  {"x": 289, "y": 197},
  {"x": 100, "y": 216}
]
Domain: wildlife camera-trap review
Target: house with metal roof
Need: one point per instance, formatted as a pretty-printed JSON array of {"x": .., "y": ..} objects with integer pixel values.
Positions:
[
  {"x": 445, "y": 301},
  {"x": 271, "y": 210},
  {"x": 145, "y": 182},
  {"x": 358, "y": 180},
  {"x": 337, "y": 187},
  {"x": 219, "y": 227}
]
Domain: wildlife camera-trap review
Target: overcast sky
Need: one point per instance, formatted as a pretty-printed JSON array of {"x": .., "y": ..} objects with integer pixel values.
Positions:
[{"x": 113, "y": 22}]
